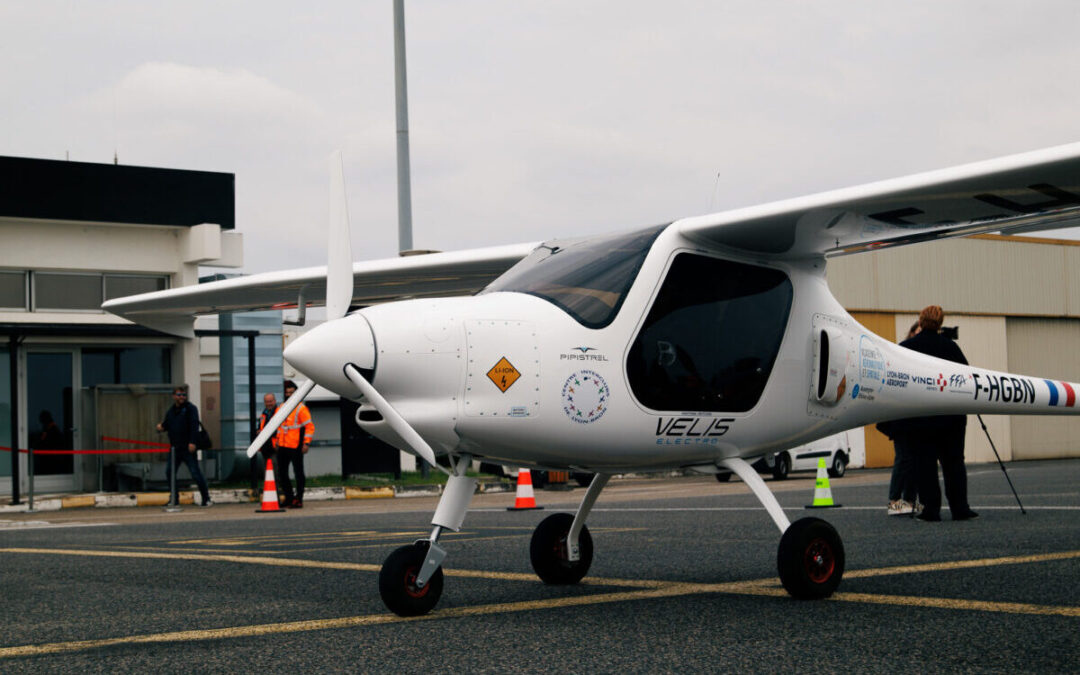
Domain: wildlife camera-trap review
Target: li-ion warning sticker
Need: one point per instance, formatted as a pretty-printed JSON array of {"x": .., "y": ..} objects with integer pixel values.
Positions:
[{"x": 503, "y": 374}]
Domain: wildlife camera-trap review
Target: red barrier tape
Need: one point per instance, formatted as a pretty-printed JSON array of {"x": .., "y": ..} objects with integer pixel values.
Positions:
[{"x": 86, "y": 452}]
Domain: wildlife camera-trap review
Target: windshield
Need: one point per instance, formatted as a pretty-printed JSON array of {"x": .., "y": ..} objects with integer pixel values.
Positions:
[{"x": 586, "y": 278}]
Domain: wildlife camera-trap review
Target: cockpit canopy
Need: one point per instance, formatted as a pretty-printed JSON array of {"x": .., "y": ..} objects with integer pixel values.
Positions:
[{"x": 587, "y": 278}]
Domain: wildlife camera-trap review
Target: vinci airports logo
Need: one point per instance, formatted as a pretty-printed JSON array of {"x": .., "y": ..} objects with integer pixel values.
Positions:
[{"x": 584, "y": 396}]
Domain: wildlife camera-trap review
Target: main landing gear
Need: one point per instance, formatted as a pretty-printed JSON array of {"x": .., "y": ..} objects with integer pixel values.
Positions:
[{"x": 810, "y": 560}]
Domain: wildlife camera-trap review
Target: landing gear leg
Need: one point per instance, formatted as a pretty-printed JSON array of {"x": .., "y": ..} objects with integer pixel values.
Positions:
[
  {"x": 561, "y": 549},
  {"x": 810, "y": 560},
  {"x": 411, "y": 578}
]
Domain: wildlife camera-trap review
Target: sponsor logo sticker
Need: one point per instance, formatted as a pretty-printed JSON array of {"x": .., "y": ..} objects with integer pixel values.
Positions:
[{"x": 585, "y": 396}]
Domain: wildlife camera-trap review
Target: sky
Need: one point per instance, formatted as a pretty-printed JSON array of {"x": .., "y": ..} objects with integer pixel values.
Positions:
[{"x": 531, "y": 119}]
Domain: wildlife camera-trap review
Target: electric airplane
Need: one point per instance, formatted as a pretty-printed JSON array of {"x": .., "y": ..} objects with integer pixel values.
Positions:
[{"x": 703, "y": 343}]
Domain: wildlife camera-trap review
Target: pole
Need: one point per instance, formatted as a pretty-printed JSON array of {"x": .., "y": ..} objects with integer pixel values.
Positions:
[
  {"x": 401, "y": 107},
  {"x": 13, "y": 361},
  {"x": 1001, "y": 464},
  {"x": 174, "y": 499},
  {"x": 253, "y": 428}
]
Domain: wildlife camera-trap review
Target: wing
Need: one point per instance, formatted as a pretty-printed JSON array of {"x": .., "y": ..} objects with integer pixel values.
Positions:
[
  {"x": 432, "y": 275},
  {"x": 1021, "y": 193}
]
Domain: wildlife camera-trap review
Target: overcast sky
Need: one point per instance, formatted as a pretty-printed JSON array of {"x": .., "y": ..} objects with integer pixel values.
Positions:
[{"x": 532, "y": 120}]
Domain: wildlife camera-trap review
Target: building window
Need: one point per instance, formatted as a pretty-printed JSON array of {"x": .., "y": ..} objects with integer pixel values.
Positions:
[
  {"x": 13, "y": 290},
  {"x": 70, "y": 291},
  {"x": 126, "y": 365},
  {"x": 121, "y": 285},
  {"x": 62, "y": 291}
]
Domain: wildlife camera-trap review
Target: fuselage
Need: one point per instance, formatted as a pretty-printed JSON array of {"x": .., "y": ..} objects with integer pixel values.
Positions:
[{"x": 663, "y": 355}]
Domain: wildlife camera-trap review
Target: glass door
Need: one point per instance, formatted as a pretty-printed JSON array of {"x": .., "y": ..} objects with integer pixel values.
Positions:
[{"x": 51, "y": 418}]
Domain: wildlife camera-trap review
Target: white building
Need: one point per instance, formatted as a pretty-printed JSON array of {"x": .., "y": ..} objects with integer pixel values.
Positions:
[{"x": 72, "y": 235}]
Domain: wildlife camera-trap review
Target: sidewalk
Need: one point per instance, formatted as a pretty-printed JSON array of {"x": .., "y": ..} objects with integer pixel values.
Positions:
[{"x": 54, "y": 502}]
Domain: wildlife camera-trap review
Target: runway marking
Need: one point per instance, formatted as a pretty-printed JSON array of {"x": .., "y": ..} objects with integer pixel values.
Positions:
[
  {"x": 43, "y": 524},
  {"x": 649, "y": 590}
]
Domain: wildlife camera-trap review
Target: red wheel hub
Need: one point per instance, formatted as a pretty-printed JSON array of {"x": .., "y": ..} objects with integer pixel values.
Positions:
[
  {"x": 410, "y": 583},
  {"x": 819, "y": 560}
]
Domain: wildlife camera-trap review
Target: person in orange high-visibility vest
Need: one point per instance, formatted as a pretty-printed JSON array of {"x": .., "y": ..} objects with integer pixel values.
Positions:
[{"x": 292, "y": 442}]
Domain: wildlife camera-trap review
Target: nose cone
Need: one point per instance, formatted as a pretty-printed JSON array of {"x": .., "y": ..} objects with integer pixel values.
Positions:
[{"x": 322, "y": 352}]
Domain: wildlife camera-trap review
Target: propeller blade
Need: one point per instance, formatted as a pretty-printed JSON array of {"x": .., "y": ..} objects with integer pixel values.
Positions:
[
  {"x": 339, "y": 274},
  {"x": 282, "y": 412},
  {"x": 417, "y": 444}
]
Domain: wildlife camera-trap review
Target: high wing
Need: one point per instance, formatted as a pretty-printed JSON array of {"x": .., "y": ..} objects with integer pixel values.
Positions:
[
  {"x": 1032, "y": 191},
  {"x": 374, "y": 281}
]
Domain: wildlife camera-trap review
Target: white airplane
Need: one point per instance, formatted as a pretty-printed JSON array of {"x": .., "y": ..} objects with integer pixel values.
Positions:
[{"x": 703, "y": 343}]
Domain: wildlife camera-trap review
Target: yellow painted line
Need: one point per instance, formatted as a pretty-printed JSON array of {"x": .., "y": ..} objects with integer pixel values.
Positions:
[
  {"x": 77, "y": 502},
  {"x": 650, "y": 590},
  {"x": 161, "y": 498},
  {"x": 957, "y": 603},
  {"x": 369, "y": 493},
  {"x": 961, "y": 564},
  {"x": 343, "y": 622}
]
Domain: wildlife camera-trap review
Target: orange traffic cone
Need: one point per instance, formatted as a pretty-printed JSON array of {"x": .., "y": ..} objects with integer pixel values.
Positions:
[
  {"x": 269, "y": 498},
  {"x": 525, "y": 499}
]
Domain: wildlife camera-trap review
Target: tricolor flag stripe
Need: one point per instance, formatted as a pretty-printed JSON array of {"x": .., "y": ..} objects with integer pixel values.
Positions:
[
  {"x": 1055, "y": 396},
  {"x": 1053, "y": 392}
]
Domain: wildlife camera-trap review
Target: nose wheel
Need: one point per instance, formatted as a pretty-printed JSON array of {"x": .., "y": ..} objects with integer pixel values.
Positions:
[
  {"x": 550, "y": 554},
  {"x": 811, "y": 559},
  {"x": 398, "y": 586}
]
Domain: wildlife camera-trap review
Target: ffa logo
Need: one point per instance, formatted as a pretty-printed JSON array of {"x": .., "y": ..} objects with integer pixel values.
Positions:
[{"x": 584, "y": 396}]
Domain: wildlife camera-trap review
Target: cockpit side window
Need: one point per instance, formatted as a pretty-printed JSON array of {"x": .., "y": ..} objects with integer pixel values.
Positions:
[
  {"x": 586, "y": 278},
  {"x": 711, "y": 337}
]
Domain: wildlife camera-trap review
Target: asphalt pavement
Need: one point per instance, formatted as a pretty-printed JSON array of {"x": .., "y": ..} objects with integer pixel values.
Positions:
[{"x": 684, "y": 578}]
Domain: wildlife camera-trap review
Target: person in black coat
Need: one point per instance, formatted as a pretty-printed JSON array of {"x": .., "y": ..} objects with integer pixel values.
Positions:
[
  {"x": 182, "y": 424},
  {"x": 938, "y": 439}
]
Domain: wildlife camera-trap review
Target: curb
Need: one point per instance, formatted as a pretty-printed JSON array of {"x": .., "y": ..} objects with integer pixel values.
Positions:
[{"x": 236, "y": 496}]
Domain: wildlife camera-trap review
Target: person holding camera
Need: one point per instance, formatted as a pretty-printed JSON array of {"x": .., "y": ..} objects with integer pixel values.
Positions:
[
  {"x": 182, "y": 424},
  {"x": 939, "y": 439}
]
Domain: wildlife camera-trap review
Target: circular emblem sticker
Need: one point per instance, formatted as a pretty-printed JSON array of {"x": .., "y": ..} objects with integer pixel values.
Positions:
[{"x": 584, "y": 397}]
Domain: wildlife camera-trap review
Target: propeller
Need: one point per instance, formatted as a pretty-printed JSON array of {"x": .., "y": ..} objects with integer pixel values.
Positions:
[
  {"x": 415, "y": 442},
  {"x": 339, "y": 287}
]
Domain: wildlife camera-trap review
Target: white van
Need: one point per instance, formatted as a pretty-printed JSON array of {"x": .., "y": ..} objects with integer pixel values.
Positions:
[{"x": 836, "y": 450}]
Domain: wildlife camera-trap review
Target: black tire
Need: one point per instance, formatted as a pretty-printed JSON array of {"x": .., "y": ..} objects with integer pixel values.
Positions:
[
  {"x": 547, "y": 550},
  {"x": 583, "y": 479},
  {"x": 839, "y": 465},
  {"x": 397, "y": 582},
  {"x": 539, "y": 478},
  {"x": 782, "y": 467},
  {"x": 723, "y": 476},
  {"x": 810, "y": 559}
]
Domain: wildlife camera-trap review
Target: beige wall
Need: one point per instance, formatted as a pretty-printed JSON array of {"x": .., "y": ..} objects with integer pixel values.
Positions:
[{"x": 1045, "y": 348}]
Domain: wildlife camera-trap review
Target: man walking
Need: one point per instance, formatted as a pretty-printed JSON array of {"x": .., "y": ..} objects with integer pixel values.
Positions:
[{"x": 182, "y": 424}]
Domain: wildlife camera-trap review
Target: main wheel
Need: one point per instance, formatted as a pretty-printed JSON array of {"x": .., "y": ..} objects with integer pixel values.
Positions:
[
  {"x": 548, "y": 552},
  {"x": 811, "y": 559},
  {"x": 397, "y": 582},
  {"x": 723, "y": 476},
  {"x": 782, "y": 467},
  {"x": 839, "y": 465}
]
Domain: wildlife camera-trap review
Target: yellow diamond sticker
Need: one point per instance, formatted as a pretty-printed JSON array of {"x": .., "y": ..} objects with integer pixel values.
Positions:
[{"x": 503, "y": 374}]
